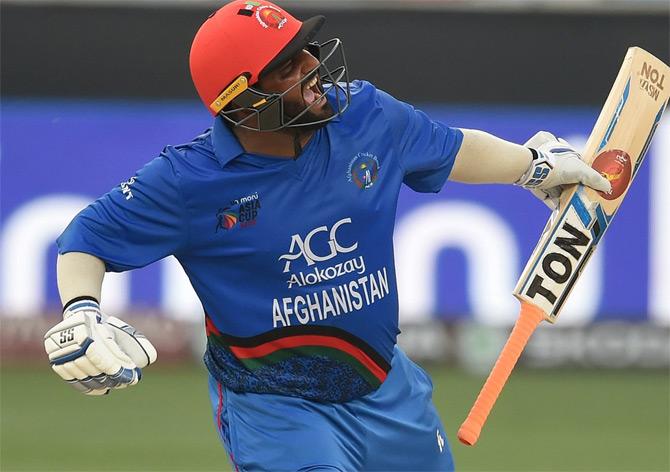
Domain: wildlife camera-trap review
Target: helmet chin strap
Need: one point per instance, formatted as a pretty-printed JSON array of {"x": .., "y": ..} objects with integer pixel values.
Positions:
[{"x": 294, "y": 133}]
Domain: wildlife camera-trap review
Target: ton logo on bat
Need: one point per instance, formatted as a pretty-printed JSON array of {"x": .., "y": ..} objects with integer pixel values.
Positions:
[
  {"x": 556, "y": 264},
  {"x": 651, "y": 80}
]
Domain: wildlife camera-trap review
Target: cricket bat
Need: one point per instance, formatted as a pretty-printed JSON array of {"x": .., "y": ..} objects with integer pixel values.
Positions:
[{"x": 616, "y": 148}]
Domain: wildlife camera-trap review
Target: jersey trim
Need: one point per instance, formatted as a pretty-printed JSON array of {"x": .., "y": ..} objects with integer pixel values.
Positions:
[{"x": 307, "y": 341}]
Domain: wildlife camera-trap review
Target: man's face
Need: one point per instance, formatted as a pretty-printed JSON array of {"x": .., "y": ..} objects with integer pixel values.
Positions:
[{"x": 300, "y": 96}]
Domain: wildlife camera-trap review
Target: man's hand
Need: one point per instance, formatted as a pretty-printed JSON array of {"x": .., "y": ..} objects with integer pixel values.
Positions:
[
  {"x": 94, "y": 353},
  {"x": 555, "y": 165}
]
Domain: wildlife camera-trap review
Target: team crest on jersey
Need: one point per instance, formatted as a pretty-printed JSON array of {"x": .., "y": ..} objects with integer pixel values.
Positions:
[
  {"x": 242, "y": 212},
  {"x": 363, "y": 170}
]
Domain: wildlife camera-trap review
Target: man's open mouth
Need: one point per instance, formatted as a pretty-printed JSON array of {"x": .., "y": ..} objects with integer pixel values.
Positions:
[{"x": 311, "y": 91}]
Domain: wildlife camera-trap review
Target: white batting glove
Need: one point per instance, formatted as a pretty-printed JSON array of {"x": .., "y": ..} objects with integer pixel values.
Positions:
[
  {"x": 95, "y": 353},
  {"x": 555, "y": 165}
]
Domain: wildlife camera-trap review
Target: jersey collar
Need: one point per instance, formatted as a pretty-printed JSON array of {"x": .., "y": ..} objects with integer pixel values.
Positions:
[{"x": 226, "y": 145}]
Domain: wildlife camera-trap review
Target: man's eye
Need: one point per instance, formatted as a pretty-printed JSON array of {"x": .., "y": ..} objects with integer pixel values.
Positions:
[{"x": 287, "y": 68}]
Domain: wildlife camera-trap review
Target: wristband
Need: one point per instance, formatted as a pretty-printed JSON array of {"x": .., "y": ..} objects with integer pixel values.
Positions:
[{"x": 80, "y": 303}]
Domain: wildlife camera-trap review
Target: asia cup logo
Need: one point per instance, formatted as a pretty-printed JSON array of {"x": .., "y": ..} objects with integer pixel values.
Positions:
[
  {"x": 363, "y": 170},
  {"x": 226, "y": 218},
  {"x": 242, "y": 212}
]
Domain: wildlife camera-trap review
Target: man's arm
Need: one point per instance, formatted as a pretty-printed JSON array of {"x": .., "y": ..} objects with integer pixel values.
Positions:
[
  {"x": 484, "y": 158},
  {"x": 79, "y": 275},
  {"x": 544, "y": 164},
  {"x": 431, "y": 152},
  {"x": 133, "y": 225},
  {"x": 89, "y": 350}
]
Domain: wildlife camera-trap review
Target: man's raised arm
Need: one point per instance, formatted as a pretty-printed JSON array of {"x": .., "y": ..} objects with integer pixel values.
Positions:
[{"x": 544, "y": 165}]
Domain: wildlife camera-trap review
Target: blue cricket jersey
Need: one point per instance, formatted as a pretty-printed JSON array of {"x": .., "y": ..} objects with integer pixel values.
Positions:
[{"x": 291, "y": 259}]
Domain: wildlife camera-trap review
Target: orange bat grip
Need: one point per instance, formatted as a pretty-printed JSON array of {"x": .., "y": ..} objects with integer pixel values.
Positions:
[{"x": 529, "y": 318}]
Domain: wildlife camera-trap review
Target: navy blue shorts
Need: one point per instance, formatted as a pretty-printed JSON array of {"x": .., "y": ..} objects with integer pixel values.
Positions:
[{"x": 394, "y": 428}]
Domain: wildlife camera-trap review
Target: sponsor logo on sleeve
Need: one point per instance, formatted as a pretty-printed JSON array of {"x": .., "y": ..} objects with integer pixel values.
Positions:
[{"x": 125, "y": 188}]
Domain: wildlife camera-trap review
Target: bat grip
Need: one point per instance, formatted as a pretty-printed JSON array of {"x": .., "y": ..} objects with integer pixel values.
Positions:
[{"x": 529, "y": 318}]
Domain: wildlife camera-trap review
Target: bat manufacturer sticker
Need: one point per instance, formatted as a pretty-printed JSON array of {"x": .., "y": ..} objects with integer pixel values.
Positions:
[
  {"x": 566, "y": 251},
  {"x": 652, "y": 80},
  {"x": 615, "y": 165}
]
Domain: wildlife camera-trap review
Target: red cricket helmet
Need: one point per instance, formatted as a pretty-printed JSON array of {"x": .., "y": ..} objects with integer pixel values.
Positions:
[{"x": 241, "y": 42}]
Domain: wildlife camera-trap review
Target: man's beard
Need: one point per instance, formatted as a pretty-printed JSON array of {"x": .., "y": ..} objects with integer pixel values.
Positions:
[{"x": 308, "y": 119}]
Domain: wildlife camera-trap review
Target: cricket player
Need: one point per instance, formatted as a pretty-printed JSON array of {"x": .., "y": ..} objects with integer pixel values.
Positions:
[{"x": 282, "y": 216}]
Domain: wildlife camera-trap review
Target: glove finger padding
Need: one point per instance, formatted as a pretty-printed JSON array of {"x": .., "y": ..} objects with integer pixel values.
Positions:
[
  {"x": 81, "y": 379},
  {"x": 97, "y": 392},
  {"x": 592, "y": 178},
  {"x": 112, "y": 357},
  {"x": 555, "y": 165},
  {"x": 572, "y": 170},
  {"x": 133, "y": 342},
  {"x": 549, "y": 197},
  {"x": 539, "y": 138},
  {"x": 85, "y": 365},
  {"x": 83, "y": 351},
  {"x": 106, "y": 355}
]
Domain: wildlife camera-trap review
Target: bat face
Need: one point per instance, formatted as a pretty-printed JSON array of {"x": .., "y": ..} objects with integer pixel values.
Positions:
[
  {"x": 616, "y": 149},
  {"x": 557, "y": 264}
]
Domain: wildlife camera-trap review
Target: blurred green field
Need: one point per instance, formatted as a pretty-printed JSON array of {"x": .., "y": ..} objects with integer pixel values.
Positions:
[{"x": 545, "y": 420}]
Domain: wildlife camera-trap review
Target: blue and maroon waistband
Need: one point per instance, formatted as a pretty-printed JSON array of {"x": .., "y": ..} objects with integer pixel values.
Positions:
[{"x": 321, "y": 363}]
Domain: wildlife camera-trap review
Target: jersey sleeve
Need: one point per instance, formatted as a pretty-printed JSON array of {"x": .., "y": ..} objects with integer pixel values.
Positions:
[
  {"x": 135, "y": 224},
  {"x": 426, "y": 148}
]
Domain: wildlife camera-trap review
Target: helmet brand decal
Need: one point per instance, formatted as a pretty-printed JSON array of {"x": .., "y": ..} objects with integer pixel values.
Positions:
[
  {"x": 233, "y": 90},
  {"x": 270, "y": 17}
]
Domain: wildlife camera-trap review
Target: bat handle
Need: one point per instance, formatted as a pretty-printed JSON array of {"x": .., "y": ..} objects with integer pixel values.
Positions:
[{"x": 529, "y": 318}]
